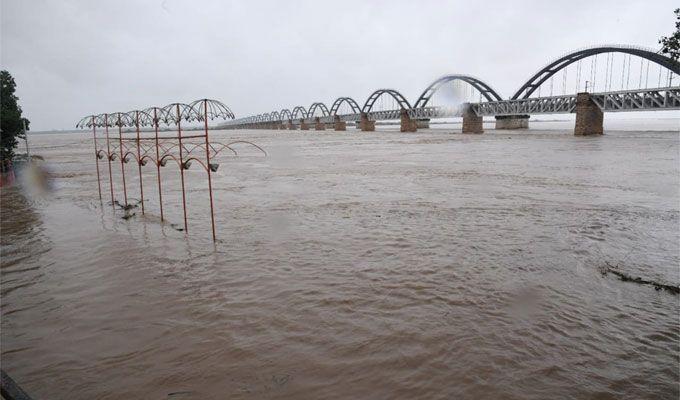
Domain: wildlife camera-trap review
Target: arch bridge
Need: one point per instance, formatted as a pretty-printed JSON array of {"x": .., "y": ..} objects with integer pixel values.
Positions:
[{"x": 586, "y": 101}]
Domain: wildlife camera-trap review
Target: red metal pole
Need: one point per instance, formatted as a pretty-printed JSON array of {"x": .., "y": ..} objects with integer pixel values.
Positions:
[
  {"x": 207, "y": 157},
  {"x": 108, "y": 156},
  {"x": 139, "y": 161},
  {"x": 122, "y": 164},
  {"x": 158, "y": 162},
  {"x": 96, "y": 158},
  {"x": 181, "y": 168}
]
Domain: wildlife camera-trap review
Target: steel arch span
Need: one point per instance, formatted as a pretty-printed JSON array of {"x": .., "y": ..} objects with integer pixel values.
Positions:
[
  {"x": 285, "y": 114},
  {"x": 338, "y": 102},
  {"x": 401, "y": 100},
  {"x": 486, "y": 90},
  {"x": 317, "y": 106},
  {"x": 299, "y": 112},
  {"x": 557, "y": 65}
]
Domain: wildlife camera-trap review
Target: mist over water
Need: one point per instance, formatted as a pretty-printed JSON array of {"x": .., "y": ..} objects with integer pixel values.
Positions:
[{"x": 354, "y": 265}]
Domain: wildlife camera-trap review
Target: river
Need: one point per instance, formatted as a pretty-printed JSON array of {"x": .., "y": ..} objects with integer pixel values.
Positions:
[{"x": 353, "y": 265}]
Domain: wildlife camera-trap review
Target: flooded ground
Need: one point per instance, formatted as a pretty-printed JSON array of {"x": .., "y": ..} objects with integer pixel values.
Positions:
[{"x": 354, "y": 265}]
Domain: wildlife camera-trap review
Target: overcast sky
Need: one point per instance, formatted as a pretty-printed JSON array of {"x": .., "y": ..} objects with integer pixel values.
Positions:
[{"x": 73, "y": 58}]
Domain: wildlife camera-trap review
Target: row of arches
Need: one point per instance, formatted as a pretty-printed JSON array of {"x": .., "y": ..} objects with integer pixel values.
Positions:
[
  {"x": 171, "y": 114},
  {"x": 486, "y": 92},
  {"x": 300, "y": 112}
]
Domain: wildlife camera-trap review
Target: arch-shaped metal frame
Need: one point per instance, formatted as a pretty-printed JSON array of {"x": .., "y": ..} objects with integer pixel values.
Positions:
[
  {"x": 299, "y": 112},
  {"x": 87, "y": 122},
  {"x": 104, "y": 121},
  {"x": 486, "y": 90},
  {"x": 211, "y": 108},
  {"x": 285, "y": 114},
  {"x": 174, "y": 113},
  {"x": 338, "y": 102},
  {"x": 317, "y": 106},
  {"x": 141, "y": 118},
  {"x": 158, "y": 115},
  {"x": 274, "y": 116},
  {"x": 401, "y": 100},
  {"x": 121, "y": 119},
  {"x": 557, "y": 65}
]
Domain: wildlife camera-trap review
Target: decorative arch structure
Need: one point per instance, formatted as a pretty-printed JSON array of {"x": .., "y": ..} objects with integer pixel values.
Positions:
[
  {"x": 486, "y": 90},
  {"x": 401, "y": 100},
  {"x": 210, "y": 109},
  {"x": 559, "y": 64},
  {"x": 175, "y": 113},
  {"x": 126, "y": 147},
  {"x": 338, "y": 102},
  {"x": 158, "y": 114}
]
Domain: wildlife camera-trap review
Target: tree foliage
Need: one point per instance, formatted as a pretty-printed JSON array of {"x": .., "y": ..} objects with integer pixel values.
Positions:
[
  {"x": 11, "y": 121},
  {"x": 671, "y": 44}
]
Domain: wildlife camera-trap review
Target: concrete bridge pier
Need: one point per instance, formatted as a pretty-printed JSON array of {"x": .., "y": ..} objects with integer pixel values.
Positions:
[
  {"x": 303, "y": 125},
  {"x": 338, "y": 124},
  {"x": 318, "y": 125},
  {"x": 291, "y": 126},
  {"x": 407, "y": 124},
  {"x": 365, "y": 124},
  {"x": 472, "y": 123},
  {"x": 512, "y": 122},
  {"x": 423, "y": 123},
  {"x": 589, "y": 117}
]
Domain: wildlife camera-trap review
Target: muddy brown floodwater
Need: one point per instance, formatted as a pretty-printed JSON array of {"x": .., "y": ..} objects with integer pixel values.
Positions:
[{"x": 354, "y": 265}]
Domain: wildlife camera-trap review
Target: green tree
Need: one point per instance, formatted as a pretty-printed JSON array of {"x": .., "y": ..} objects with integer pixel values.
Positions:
[
  {"x": 671, "y": 44},
  {"x": 11, "y": 121}
]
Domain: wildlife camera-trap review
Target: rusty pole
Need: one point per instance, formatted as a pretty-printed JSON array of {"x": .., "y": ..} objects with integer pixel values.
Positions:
[
  {"x": 122, "y": 159},
  {"x": 207, "y": 157},
  {"x": 108, "y": 156},
  {"x": 139, "y": 161},
  {"x": 158, "y": 162},
  {"x": 96, "y": 158},
  {"x": 181, "y": 168}
]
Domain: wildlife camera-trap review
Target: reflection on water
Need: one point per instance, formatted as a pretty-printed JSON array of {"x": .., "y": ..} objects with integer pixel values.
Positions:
[{"x": 354, "y": 265}]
